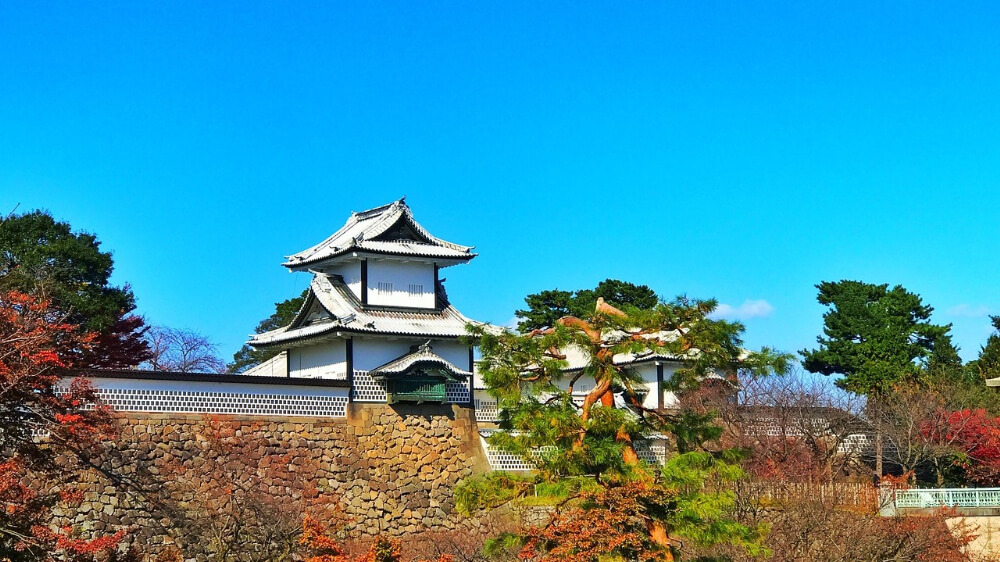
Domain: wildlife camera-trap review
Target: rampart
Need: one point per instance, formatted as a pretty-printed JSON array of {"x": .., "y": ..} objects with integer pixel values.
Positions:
[{"x": 387, "y": 469}]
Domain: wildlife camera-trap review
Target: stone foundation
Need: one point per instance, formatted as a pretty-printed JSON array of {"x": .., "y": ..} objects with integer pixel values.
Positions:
[{"x": 387, "y": 469}]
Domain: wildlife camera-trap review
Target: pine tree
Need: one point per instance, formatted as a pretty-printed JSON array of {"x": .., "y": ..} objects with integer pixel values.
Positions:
[
  {"x": 546, "y": 307},
  {"x": 872, "y": 335},
  {"x": 988, "y": 362},
  {"x": 642, "y": 512},
  {"x": 284, "y": 312}
]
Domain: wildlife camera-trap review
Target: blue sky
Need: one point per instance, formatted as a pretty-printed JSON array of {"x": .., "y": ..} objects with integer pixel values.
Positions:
[{"x": 743, "y": 151}]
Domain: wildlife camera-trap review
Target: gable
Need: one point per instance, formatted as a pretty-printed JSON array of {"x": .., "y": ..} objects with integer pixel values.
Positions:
[
  {"x": 315, "y": 313},
  {"x": 401, "y": 230},
  {"x": 312, "y": 312}
]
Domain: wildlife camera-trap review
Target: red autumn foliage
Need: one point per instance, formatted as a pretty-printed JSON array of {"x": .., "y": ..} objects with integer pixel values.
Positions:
[
  {"x": 976, "y": 436},
  {"x": 122, "y": 346},
  {"x": 612, "y": 520},
  {"x": 323, "y": 548},
  {"x": 42, "y": 419}
]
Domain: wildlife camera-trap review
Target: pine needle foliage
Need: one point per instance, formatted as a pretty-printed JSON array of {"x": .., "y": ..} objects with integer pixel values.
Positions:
[
  {"x": 631, "y": 510},
  {"x": 873, "y": 335}
]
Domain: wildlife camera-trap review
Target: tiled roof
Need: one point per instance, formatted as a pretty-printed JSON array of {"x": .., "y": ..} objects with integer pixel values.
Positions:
[
  {"x": 362, "y": 233},
  {"x": 577, "y": 359},
  {"x": 421, "y": 356},
  {"x": 347, "y": 314}
]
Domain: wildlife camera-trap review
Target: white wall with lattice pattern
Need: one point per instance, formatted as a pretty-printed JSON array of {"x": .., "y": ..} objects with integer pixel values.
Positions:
[
  {"x": 202, "y": 397},
  {"x": 652, "y": 452}
]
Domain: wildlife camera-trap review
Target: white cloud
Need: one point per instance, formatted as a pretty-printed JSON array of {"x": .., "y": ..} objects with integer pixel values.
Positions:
[
  {"x": 968, "y": 311},
  {"x": 749, "y": 309}
]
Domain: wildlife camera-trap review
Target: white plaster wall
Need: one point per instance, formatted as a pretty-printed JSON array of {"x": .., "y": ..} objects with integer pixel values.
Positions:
[
  {"x": 351, "y": 272},
  {"x": 670, "y": 399},
  {"x": 648, "y": 373},
  {"x": 276, "y": 366},
  {"x": 373, "y": 352},
  {"x": 326, "y": 360},
  {"x": 454, "y": 352},
  {"x": 401, "y": 275}
]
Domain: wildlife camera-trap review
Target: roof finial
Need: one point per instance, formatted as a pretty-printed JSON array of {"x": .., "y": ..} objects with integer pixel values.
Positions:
[{"x": 402, "y": 201}]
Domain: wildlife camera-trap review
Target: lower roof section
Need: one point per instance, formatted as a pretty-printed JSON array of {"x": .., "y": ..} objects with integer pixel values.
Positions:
[{"x": 347, "y": 314}]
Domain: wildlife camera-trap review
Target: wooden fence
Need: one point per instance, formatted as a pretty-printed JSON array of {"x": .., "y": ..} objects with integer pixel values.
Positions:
[{"x": 860, "y": 495}]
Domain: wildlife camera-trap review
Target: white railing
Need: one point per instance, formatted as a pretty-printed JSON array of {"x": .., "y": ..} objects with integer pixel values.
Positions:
[{"x": 947, "y": 497}]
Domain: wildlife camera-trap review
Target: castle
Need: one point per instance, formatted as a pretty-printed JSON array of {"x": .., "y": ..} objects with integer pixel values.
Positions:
[{"x": 376, "y": 327}]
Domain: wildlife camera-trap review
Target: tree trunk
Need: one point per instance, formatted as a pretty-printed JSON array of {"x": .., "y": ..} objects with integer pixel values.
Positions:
[
  {"x": 878, "y": 454},
  {"x": 658, "y": 533}
]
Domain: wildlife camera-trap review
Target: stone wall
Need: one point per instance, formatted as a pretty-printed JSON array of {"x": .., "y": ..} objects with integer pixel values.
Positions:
[{"x": 388, "y": 469}]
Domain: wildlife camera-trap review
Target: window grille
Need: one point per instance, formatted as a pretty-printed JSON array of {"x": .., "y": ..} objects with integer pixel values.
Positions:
[
  {"x": 368, "y": 389},
  {"x": 416, "y": 290},
  {"x": 383, "y": 287}
]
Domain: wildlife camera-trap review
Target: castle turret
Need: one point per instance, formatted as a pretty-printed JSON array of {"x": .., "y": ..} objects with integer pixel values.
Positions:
[{"x": 376, "y": 313}]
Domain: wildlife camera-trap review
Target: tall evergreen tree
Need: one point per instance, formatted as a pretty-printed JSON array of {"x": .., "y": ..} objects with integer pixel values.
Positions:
[
  {"x": 987, "y": 364},
  {"x": 872, "y": 335},
  {"x": 284, "y": 312},
  {"x": 42, "y": 256}
]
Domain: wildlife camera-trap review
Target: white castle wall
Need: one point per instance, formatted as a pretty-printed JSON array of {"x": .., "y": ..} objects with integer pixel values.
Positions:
[
  {"x": 412, "y": 283},
  {"x": 486, "y": 405},
  {"x": 326, "y": 360},
  {"x": 351, "y": 272},
  {"x": 371, "y": 352},
  {"x": 276, "y": 366}
]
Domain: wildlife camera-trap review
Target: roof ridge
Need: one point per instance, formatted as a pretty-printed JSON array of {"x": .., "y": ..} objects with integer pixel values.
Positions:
[
  {"x": 376, "y": 221},
  {"x": 369, "y": 213}
]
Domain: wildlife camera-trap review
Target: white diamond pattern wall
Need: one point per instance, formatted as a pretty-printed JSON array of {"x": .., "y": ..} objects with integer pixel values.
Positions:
[{"x": 486, "y": 411}]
